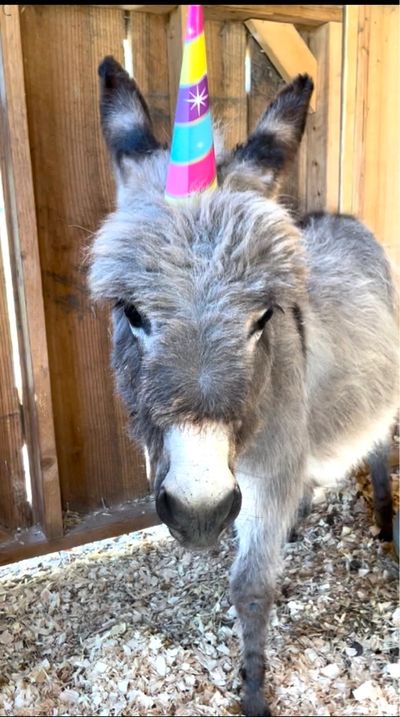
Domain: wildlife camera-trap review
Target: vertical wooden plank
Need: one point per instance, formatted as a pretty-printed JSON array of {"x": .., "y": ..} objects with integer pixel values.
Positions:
[
  {"x": 14, "y": 510},
  {"x": 320, "y": 188},
  {"x": 21, "y": 221},
  {"x": 370, "y": 172},
  {"x": 62, "y": 47},
  {"x": 226, "y": 52},
  {"x": 150, "y": 61},
  {"x": 381, "y": 165},
  {"x": 349, "y": 106}
]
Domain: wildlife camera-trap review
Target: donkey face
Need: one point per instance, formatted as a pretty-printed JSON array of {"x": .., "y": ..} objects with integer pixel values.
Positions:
[{"x": 200, "y": 295}]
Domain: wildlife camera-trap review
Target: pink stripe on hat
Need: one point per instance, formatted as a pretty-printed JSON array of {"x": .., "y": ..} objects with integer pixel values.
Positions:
[
  {"x": 194, "y": 22},
  {"x": 188, "y": 179}
]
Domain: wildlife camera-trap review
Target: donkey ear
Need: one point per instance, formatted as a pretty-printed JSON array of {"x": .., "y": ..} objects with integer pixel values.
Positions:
[
  {"x": 274, "y": 142},
  {"x": 125, "y": 117}
]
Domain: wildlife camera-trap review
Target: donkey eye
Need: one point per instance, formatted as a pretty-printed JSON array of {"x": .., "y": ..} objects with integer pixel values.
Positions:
[
  {"x": 259, "y": 325},
  {"x": 264, "y": 319},
  {"x": 135, "y": 319}
]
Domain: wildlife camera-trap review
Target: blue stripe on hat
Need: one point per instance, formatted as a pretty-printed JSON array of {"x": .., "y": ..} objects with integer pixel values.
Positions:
[{"x": 192, "y": 140}]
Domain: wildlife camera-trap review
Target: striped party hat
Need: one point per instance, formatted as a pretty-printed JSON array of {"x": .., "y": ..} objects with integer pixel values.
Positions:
[{"x": 192, "y": 167}]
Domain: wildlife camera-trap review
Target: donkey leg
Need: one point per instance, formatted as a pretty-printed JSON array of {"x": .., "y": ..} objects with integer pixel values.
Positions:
[
  {"x": 253, "y": 597},
  {"x": 261, "y": 529},
  {"x": 303, "y": 512},
  {"x": 383, "y": 505}
]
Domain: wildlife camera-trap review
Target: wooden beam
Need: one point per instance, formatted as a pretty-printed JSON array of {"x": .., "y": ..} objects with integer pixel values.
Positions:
[
  {"x": 22, "y": 229},
  {"x": 95, "y": 526},
  {"x": 286, "y": 49},
  {"x": 319, "y": 184},
  {"x": 309, "y": 15},
  {"x": 154, "y": 9}
]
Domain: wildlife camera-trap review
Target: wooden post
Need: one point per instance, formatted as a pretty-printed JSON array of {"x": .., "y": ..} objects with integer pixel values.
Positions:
[
  {"x": 319, "y": 184},
  {"x": 14, "y": 508},
  {"x": 226, "y": 51},
  {"x": 21, "y": 220},
  {"x": 349, "y": 97}
]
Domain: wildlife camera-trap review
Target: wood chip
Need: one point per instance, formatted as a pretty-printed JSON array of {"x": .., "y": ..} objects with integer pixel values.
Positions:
[{"x": 136, "y": 625}]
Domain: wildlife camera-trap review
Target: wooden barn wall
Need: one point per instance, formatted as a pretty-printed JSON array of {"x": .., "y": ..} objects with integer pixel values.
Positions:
[
  {"x": 51, "y": 57},
  {"x": 370, "y": 169},
  {"x": 62, "y": 46},
  {"x": 27, "y": 313}
]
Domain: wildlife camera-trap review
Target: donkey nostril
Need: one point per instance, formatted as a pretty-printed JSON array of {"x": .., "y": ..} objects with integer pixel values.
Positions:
[
  {"x": 236, "y": 505},
  {"x": 164, "y": 507}
]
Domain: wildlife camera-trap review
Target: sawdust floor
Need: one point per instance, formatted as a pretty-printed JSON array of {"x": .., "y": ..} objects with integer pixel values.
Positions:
[{"x": 138, "y": 626}]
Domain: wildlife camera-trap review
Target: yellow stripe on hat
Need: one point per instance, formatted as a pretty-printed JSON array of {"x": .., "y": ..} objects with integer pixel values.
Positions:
[{"x": 194, "y": 65}]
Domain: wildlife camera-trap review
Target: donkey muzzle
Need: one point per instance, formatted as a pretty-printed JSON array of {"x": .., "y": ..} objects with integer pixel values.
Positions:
[{"x": 194, "y": 524}]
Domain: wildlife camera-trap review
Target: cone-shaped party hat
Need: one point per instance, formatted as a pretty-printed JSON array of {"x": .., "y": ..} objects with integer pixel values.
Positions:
[{"x": 192, "y": 166}]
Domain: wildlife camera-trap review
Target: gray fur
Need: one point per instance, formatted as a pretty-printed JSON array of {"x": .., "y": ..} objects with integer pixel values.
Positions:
[{"x": 301, "y": 402}]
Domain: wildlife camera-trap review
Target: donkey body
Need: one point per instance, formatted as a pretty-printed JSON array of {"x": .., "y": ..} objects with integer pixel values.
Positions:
[{"x": 256, "y": 356}]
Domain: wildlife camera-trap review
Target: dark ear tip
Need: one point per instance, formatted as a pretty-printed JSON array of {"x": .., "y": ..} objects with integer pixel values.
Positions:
[
  {"x": 109, "y": 67},
  {"x": 303, "y": 84}
]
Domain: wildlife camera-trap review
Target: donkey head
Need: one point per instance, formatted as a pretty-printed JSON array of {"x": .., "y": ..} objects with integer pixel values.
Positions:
[{"x": 201, "y": 297}]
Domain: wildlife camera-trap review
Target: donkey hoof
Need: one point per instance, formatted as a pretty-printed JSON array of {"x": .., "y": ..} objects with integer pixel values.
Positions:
[{"x": 254, "y": 705}]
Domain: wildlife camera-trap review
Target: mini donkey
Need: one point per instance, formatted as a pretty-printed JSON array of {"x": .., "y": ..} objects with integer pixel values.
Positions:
[{"x": 257, "y": 356}]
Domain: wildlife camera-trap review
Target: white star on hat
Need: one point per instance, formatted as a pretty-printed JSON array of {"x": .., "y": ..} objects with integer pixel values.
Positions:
[{"x": 197, "y": 100}]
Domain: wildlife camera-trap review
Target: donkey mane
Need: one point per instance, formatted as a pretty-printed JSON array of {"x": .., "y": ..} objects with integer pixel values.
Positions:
[{"x": 231, "y": 238}]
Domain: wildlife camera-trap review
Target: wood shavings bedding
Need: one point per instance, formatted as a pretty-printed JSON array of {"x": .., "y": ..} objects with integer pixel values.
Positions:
[{"x": 137, "y": 626}]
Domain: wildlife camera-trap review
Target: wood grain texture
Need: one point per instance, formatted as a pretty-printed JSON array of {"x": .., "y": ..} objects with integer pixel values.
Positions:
[
  {"x": 370, "y": 174},
  {"x": 36, "y": 393},
  {"x": 286, "y": 49},
  {"x": 349, "y": 98},
  {"x": 226, "y": 51},
  {"x": 32, "y": 542},
  {"x": 320, "y": 182},
  {"x": 310, "y": 15},
  {"x": 148, "y": 35},
  {"x": 62, "y": 48},
  {"x": 14, "y": 510}
]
